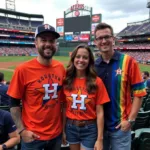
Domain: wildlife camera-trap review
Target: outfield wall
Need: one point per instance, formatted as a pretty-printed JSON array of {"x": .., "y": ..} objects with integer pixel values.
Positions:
[{"x": 64, "y": 51}]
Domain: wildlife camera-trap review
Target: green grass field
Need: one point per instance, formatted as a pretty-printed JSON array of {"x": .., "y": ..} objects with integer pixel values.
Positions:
[
  {"x": 14, "y": 58},
  {"x": 25, "y": 58},
  {"x": 63, "y": 59},
  {"x": 8, "y": 74}
]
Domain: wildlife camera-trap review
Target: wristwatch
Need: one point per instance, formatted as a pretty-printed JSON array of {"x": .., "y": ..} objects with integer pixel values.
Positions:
[
  {"x": 131, "y": 122},
  {"x": 4, "y": 147}
]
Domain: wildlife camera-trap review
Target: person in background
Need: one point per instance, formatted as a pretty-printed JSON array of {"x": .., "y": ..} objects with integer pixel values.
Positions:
[
  {"x": 7, "y": 82},
  {"x": 38, "y": 84},
  {"x": 85, "y": 95},
  {"x": 4, "y": 98},
  {"x": 121, "y": 75},
  {"x": 145, "y": 76},
  {"x": 9, "y": 136}
]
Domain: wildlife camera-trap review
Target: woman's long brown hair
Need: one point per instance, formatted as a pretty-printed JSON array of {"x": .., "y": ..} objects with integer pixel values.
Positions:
[{"x": 90, "y": 71}]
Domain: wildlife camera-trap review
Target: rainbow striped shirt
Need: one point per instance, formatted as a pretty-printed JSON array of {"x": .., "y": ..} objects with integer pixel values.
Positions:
[{"x": 121, "y": 77}]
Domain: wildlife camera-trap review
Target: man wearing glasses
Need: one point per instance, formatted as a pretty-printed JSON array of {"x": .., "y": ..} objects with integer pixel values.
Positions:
[{"x": 121, "y": 75}]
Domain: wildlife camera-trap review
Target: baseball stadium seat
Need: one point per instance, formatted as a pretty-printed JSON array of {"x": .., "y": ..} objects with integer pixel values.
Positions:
[
  {"x": 5, "y": 108},
  {"x": 141, "y": 139},
  {"x": 142, "y": 120}
]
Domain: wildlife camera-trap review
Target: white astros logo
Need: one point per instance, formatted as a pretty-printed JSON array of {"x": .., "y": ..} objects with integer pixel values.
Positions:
[
  {"x": 46, "y": 26},
  {"x": 118, "y": 71}
]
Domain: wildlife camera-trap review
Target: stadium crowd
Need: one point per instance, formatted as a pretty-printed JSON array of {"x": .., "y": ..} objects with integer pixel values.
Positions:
[
  {"x": 11, "y": 40},
  {"x": 16, "y": 50},
  {"x": 138, "y": 51},
  {"x": 139, "y": 56},
  {"x": 133, "y": 46}
]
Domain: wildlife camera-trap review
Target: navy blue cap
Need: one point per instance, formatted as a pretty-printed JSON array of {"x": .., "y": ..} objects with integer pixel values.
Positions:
[{"x": 46, "y": 28}]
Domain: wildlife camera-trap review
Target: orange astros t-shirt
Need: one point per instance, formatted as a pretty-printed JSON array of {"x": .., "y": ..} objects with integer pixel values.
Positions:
[
  {"x": 80, "y": 104},
  {"x": 39, "y": 87}
]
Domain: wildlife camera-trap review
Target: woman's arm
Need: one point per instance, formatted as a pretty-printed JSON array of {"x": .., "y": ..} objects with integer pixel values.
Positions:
[
  {"x": 100, "y": 127},
  {"x": 64, "y": 123}
]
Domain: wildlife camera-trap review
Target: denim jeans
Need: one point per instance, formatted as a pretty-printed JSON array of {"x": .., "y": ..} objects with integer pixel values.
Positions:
[
  {"x": 53, "y": 144},
  {"x": 86, "y": 135},
  {"x": 117, "y": 140}
]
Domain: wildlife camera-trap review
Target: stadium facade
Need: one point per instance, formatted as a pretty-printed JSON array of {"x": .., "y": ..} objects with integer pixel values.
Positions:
[
  {"x": 135, "y": 40},
  {"x": 17, "y": 32}
]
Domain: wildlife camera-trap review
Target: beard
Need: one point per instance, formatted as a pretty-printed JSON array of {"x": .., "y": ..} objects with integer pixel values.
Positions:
[{"x": 47, "y": 53}]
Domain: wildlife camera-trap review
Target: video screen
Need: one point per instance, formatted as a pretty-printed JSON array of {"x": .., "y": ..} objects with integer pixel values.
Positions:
[
  {"x": 77, "y": 24},
  {"x": 68, "y": 37},
  {"x": 77, "y": 37}
]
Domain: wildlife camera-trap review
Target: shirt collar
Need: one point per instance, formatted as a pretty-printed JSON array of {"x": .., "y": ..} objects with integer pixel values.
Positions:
[{"x": 114, "y": 57}]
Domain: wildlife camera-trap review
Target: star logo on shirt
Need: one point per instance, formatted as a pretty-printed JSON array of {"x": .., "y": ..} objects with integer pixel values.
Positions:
[
  {"x": 42, "y": 91},
  {"x": 118, "y": 71},
  {"x": 69, "y": 98}
]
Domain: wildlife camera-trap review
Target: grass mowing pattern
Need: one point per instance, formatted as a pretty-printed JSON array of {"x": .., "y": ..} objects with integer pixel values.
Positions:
[{"x": 63, "y": 59}]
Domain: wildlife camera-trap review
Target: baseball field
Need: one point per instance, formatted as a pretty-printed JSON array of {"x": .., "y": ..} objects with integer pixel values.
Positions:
[{"x": 9, "y": 63}]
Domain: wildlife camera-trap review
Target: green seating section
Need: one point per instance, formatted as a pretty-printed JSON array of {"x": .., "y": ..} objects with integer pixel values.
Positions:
[
  {"x": 141, "y": 140},
  {"x": 142, "y": 120}
]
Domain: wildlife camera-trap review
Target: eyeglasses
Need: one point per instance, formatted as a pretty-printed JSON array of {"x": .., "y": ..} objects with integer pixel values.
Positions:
[{"x": 107, "y": 37}]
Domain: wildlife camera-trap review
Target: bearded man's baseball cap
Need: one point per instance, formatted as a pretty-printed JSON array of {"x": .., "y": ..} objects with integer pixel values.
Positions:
[{"x": 46, "y": 28}]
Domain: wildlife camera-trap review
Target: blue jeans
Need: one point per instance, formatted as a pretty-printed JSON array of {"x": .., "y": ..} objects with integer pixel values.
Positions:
[
  {"x": 86, "y": 135},
  {"x": 117, "y": 140},
  {"x": 53, "y": 144}
]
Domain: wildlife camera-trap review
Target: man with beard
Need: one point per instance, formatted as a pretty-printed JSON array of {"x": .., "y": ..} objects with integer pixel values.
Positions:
[{"x": 38, "y": 84}]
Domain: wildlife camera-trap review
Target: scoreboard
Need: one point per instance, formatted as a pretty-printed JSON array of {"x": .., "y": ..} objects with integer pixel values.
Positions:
[
  {"x": 78, "y": 24},
  {"x": 77, "y": 28}
]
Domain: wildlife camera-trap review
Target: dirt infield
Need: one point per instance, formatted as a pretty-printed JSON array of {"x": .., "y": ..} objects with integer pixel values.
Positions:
[{"x": 6, "y": 65}]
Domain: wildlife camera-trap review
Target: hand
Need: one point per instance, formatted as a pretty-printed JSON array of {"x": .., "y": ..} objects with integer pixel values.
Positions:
[
  {"x": 1, "y": 147},
  {"x": 64, "y": 142},
  {"x": 98, "y": 145},
  {"x": 125, "y": 126},
  {"x": 29, "y": 136}
]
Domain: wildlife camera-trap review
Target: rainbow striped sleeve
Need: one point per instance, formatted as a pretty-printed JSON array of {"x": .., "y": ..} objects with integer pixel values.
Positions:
[{"x": 139, "y": 89}]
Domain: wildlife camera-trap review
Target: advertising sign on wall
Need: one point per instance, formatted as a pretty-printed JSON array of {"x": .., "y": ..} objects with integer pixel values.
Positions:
[
  {"x": 60, "y": 30},
  {"x": 96, "y": 18},
  {"x": 60, "y": 22},
  {"x": 93, "y": 27},
  {"x": 60, "y": 26}
]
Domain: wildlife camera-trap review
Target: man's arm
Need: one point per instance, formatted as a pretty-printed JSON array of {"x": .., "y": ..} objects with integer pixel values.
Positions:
[
  {"x": 15, "y": 110},
  {"x": 125, "y": 125},
  {"x": 137, "y": 102},
  {"x": 16, "y": 113}
]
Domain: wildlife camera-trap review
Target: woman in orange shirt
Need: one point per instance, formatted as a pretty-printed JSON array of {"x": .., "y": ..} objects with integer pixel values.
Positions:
[{"x": 85, "y": 95}]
